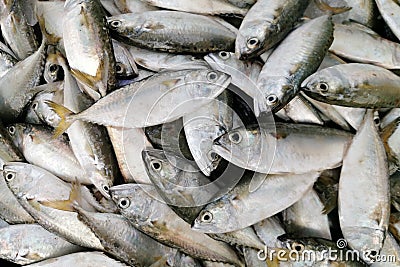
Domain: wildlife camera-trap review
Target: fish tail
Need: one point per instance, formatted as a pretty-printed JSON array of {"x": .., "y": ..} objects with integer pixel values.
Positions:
[
  {"x": 75, "y": 198},
  {"x": 66, "y": 116},
  {"x": 333, "y": 10},
  {"x": 48, "y": 38}
]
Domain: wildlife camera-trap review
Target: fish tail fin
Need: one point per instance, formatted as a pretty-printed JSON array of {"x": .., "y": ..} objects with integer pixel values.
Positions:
[
  {"x": 48, "y": 38},
  {"x": 75, "y": 198},
  {"x": 333, "y": 10},
  {"x": 66, "y": 116}
]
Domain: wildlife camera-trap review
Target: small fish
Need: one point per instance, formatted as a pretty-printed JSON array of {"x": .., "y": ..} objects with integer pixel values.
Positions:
[
  {"x": 155, "y": 30},
  {"x": 354, "y": 85}
]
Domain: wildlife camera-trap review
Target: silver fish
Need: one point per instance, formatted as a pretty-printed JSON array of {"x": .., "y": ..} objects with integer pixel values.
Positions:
[
  {"x": 389, "y": 9},
  {"x": 125, "y": 66}
]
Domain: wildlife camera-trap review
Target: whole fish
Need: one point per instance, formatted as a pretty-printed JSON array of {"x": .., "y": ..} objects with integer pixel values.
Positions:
[
  {"x": 28, "y": 243},
  {"x": 160, "y": 222},
  {"x": 364, "y": 225},
  {"x": 307, "y": 148},
  {"x": 191, "y": 88},
  {"x": 80, "y": 259},
  {"x": 207, "y": 7},
  {"x": 296, "y": 57},
  {"x": 385, "y": 53},
  {"x": 238, "y": 208},
  {"x": 15, "y": 28},
  {"x": 158, "y": 61},
  {"x": 354, "y": 85},
  {"x": 122, "y": 240},
  {"x": 56, "y": 155},
  {"x": 88, "y": 46},
  {"x": 265, "y": 24},
  {"x": 49, "y": 201},
  {"x": 173, "y": 31}
]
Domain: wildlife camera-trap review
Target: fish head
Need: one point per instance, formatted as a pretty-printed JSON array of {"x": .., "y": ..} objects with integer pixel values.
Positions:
[
  {"x": 278, "y": 91},
  {"x": 17, "y": 132},
  {"x": 323, "y": 84},
  {"x": 250, "y": 42},
  {"x": 206, "y": 83},
  {"x": 213, "y": 216},
  {"x": 219, "y": 60},
  {"x": 237, "y": 146},
  {"x": 157, "y": 164},
  {"x": 19, "y": 177}
]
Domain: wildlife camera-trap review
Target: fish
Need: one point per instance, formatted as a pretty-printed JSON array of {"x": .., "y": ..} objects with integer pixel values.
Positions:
[
  {"x": 303, "y": 49},
  {"x": 88, "y": 46},
  {"x": 131, "y": 245},
  {"x": 125, "y": 66},
  {"x": 265, "y": 24},
  {"x": 364, "y": 226},
  {"x": 80, "y": 259},
  {"x": 15, "y": 29},
  {"x": 57, "y": 155},
  {"x": 29, "y": 243},
  {"x": 154, "y": 96},
  {"x": 7, "y": 59},
  {"x": 354, "y": 85},
  {"x": 52, "y": 71},
  {"x": 238, "y": 208},
  {"x": 49, "y": 200},
  {"x": 166, "y": 227},
  {"x": 132, "y": 6},
  {"x": 389, "y": 10},
  {"x": 268, "y": 150},
  {"x": 155, "y": 30}
]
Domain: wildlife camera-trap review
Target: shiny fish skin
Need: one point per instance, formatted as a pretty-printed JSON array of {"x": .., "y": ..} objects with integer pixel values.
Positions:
[
  {"x": 366, "y": 46},
  {"x": 80, "y": 259},
  {"x": 57, "y": 156},
  {"x": 389, "y": 9},
  {"x": 8, "y": 151},
  {"x": 7, "y": 59},
  {"x": 164, "y": 31},
  {"x": 88, "y": 46},
  {"x": 207, "y": 7},
  {"x": 125, "y": 66},
  {"x": 267, "y": 23},
  {"x": 299, "y": 110},
  {"x": 159, "y": 61},
  {"x": 36, "y": 189},
  {"x": 354, "y": 85},
  {"x": 122, "y": 240},
  {"x": 297, "y": 57},
  {"x": 268, "y": 230},
  {"x": 238, "y": 208},
  {"x": 16, "y": 30},
  {"x": 160, "y": 222},
  {"x": 159, "y": 90},
  {"x": 364, "y": 226},
  {"x": 29, "y": 243},
  {"x": 17, "y": 85},
  {"x": 295, "y": 143},
  {"x": 132, "y": 6}
]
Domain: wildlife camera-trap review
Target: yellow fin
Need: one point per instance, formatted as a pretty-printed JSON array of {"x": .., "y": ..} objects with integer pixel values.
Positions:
[
  {"x": 334, "y": 10},
  {"x": 66, "y": 205},
  {"x": 65, "y": 115},
  {"x": 47, "y": 37}
]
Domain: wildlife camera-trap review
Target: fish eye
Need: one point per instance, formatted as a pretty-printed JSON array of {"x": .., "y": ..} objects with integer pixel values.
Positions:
[
  {"x": 323, "y": 87},
  {"x": 106, "y": 188},
  {"x": 224, "y": 55},
  {"x": 252, "y": 42},
  {"x": 206, "y": 217},
  {"x": 35, "y": 105},
  {"x": 10, "y": 176},
  {"x": 156, "y": 165},
  {"x": 124, "y": 203},
  {"x": 272, "y": 100},
  {"x": 235, "y": 137},
  {"x": 53, "y": 68},
  {"x": 212, "y": 76},
  {"x": 119, "y": 68},
  {"x": 212, "y": 156},
  {"x": 115, "y": 23},
  {"x": 297, "y": 247},
  {"x": 11, "y": 130}
]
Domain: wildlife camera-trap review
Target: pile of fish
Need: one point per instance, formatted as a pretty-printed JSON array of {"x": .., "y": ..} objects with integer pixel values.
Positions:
[{"x": 199, "y": 133}]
